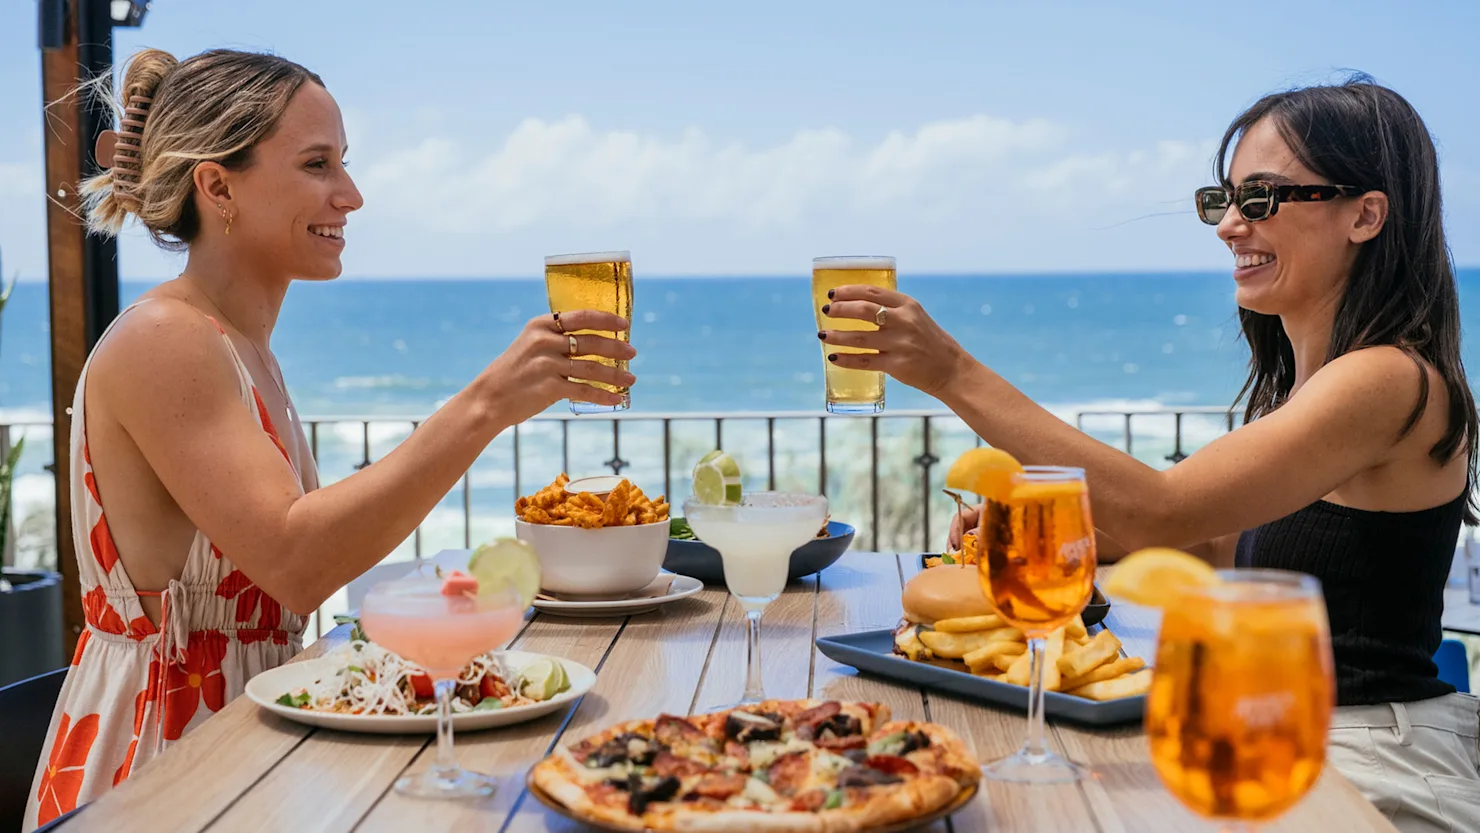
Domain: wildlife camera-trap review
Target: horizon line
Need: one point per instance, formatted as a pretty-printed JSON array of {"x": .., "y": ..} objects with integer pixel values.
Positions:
[{"x": 1046, "y": 273}]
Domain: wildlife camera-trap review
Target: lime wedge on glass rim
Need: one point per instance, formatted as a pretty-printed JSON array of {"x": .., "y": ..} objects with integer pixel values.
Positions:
[
  {"x": 543, "y": 679},
  {"x": 717, "y": 479},
  {"x": 507, "y": 560}
]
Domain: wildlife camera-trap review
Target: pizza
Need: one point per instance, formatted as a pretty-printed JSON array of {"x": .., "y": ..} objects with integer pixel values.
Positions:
[{"x": 809, "y": 766}]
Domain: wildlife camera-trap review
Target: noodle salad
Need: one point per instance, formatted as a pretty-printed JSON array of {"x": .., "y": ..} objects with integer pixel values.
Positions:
[{"x": 367, "y": 679}]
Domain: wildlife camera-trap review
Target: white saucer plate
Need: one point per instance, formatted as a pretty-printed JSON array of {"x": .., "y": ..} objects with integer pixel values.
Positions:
[
  {"x": 681, "y": 588},
  {"x": 265, "y": 688}
]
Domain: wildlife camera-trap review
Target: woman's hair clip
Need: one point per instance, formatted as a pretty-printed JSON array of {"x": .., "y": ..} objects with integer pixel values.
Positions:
[{"x": 119, "y": 150}]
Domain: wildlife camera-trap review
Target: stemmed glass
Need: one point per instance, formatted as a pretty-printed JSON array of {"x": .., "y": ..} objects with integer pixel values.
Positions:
[
  {"x": 755, "y": 539},
  {"x": 1241, "y": 701},
  {"x": 427, "y": 621},
  {"x": 1037, "y": 567}
]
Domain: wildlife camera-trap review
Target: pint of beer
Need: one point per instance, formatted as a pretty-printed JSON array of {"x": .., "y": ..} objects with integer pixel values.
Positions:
[
  {"x": 600, "y": 281},
  {"x": 849, "y": 391}
]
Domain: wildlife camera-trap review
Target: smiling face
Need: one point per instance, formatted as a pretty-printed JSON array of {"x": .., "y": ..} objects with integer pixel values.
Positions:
[
  {"x": 290, "y": 204},
  {"x": 1302, "y": 257}
]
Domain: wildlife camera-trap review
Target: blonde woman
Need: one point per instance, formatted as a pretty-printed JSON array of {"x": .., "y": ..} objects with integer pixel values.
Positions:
[{"x": 202, "y": 537}]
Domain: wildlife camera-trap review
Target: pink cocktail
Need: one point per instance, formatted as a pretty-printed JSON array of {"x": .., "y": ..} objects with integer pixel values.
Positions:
[
  {"x": 439, "y": 638},
  {"x": 441, "y": 624}
]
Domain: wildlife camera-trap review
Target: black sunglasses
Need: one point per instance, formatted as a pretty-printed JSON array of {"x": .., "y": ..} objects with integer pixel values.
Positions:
[{"x": 1259, "y": 200}]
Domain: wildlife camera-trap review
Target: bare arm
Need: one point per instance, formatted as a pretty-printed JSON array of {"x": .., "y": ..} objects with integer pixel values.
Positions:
[
  {"x": 186, "y": 415},
  {"x": 1346, "y": 419}
]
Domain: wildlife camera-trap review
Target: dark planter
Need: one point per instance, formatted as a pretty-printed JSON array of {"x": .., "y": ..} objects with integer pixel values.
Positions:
[{"x": 30, "y": 625}]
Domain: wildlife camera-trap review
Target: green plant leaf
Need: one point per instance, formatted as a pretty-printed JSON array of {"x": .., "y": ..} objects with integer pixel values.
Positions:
[{"x": 7, "y": 479}]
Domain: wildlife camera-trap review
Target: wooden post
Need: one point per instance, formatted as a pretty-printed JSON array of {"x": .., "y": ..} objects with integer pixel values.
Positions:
[{"x": 76, "y": 41}]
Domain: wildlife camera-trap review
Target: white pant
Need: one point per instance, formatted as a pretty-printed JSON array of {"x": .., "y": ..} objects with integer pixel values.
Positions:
[{"x": 1419, "y": 762}]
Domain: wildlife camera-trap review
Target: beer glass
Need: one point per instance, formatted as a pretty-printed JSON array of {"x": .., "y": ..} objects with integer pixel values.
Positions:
[
  {"x": 1242, "y": 695},
  {"x": 1037, "y": 568},
  {"x": 849, "y": 391},
  {"x": 600, "y": 281}
]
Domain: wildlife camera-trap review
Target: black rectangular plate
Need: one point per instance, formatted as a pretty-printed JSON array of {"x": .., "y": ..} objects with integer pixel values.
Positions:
[{"x": 873, "y": 652}]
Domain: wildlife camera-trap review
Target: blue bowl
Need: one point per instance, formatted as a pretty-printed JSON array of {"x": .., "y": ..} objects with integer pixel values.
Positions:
[{"x": 698, "y": 559}]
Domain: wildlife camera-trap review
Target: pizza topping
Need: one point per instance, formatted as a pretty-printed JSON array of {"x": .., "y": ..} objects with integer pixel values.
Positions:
[
  {"x": 857, "y": 756},
  {"x": 759, "y": 792},
  {"x": 865, "y": 776},
  {"x": 891, "y": 764},
  {"x": 899, "y": 743},
  {"x": 834, "y": 800},
  {"x": 809, "y": 721},
  {"x": 842, "y": 744},
  {"x": 643, "y": 795},
  {"x": 788, "y": 773},
  {"x": 762, "y": 753},
  {"x": 667, "y": 763},
  {"x": 628, "y": 747},
  {"x": 810, "y": 801},
  {"x": 746, "y": 727},
  {"x": 673, "y": 731},
  {"x": 840, "y": 726},
  {"x": 717, "y": 786},
  {"x": 738, "y": 754}
]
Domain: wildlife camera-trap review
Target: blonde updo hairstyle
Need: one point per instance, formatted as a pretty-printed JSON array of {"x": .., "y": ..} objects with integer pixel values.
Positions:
[{"x": 214, "y": 107}]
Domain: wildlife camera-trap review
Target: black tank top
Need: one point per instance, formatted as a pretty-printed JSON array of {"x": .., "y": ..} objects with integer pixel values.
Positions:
[{"x": 1383, "y": 574}]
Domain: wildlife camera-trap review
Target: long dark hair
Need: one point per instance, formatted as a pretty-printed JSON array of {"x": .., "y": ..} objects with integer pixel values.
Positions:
[{"x": 1401, "y": 291}]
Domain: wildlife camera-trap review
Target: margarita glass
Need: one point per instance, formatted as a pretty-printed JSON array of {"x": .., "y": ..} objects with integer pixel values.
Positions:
[
  {"x": 755, "y": 539},
  {"x": 441, "y": 624}
]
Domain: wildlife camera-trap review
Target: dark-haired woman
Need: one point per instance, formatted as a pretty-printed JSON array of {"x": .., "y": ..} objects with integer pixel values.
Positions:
[{"x": 1358, "y": 452}]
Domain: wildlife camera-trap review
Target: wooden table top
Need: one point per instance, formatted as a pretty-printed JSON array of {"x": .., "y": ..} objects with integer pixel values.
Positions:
[{"x": 245, "y": 769}]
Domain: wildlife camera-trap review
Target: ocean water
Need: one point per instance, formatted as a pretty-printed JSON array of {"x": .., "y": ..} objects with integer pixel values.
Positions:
[{"x": 714, "y": 345}]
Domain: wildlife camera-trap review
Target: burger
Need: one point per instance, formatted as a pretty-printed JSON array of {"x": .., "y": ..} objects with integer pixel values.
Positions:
[{"x": 949, "y": 591}]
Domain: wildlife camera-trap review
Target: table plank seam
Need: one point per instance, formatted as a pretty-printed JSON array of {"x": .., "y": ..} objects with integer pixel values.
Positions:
[
  {"x": 559, "y": 733},
  {"x": 812, "y": 642},
  {"x": 719, "y": 627},
  {"x": 259, "y": 779}
]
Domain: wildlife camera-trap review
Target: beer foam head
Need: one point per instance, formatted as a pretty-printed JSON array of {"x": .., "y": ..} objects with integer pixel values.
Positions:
[
  {"x": 588, "y": 257},
  {"x": 853, "y": 262}
]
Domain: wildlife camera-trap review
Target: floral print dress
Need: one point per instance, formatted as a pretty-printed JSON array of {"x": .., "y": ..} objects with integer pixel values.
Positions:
[{"x": 135, "y": 687}]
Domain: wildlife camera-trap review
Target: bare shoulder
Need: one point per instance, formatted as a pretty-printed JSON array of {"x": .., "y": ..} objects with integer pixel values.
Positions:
[
  {"x": 1385, "y": 382},
  {"x": 165, "y": 347}
]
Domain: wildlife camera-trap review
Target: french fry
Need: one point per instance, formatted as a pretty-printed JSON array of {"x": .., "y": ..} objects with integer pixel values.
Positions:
[
  {"x": 1051, "y": 654},
  {"x": 958, "y": 645},
  {"x": 1103, "y": 648},
  {"x": 970, "y": 624},
  {"x": 983, "y": 659},
  {"x": 1004, "y": 662},
  {"x": 1108, "y": 671},
  {"x": 1127, "y": 686},
  {"x": 1075, "y": 629},
  {"x": 1017, "y": 673}
]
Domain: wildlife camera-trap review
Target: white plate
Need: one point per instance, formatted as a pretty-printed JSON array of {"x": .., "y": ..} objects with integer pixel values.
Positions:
[
  {"x": 265, "y": 688},
  {"x": 681, "y": 588}
]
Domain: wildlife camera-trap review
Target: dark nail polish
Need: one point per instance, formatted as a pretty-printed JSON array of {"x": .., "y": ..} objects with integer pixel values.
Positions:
[
  {"x": 822, "y": 335},
  {"x": 832, "y": 357},
  {"x": 826, "y": 308},
  {"x": 830, "y": 293}
]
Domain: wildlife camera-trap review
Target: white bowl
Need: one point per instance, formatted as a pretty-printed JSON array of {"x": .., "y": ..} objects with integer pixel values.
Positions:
[{"x": 610, "y": 562}]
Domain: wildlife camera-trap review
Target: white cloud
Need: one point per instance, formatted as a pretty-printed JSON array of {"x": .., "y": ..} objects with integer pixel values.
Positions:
[{"x": 974, "y": 193}]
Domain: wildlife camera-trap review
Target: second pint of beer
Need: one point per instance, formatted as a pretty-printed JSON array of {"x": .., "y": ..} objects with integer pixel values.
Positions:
[
  {"x": 599, "y": 281},
  {"x": 849, "y": 391}
]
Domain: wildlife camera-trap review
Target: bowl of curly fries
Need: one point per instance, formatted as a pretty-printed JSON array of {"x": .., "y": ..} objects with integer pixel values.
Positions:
[{"x": 594, "y": 543}]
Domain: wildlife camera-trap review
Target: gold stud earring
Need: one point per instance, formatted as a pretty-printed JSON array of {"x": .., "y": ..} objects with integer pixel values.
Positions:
[{"x": 227, "y": 217}]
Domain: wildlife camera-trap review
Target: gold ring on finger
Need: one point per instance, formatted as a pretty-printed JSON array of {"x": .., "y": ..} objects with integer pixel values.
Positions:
[
  {"x": 882, "y": 315},
  {"x": 571, "y": 377},
  {"x": 559, "y": 325},
  {"x": 572, "y": 340}
]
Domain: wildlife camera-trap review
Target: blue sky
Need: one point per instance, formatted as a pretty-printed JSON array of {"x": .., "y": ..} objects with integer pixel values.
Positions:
[{"x": 746, "y": 138}]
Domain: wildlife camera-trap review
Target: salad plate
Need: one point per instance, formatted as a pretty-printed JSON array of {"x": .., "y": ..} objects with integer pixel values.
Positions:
[{"x": 278, "y": 689}]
